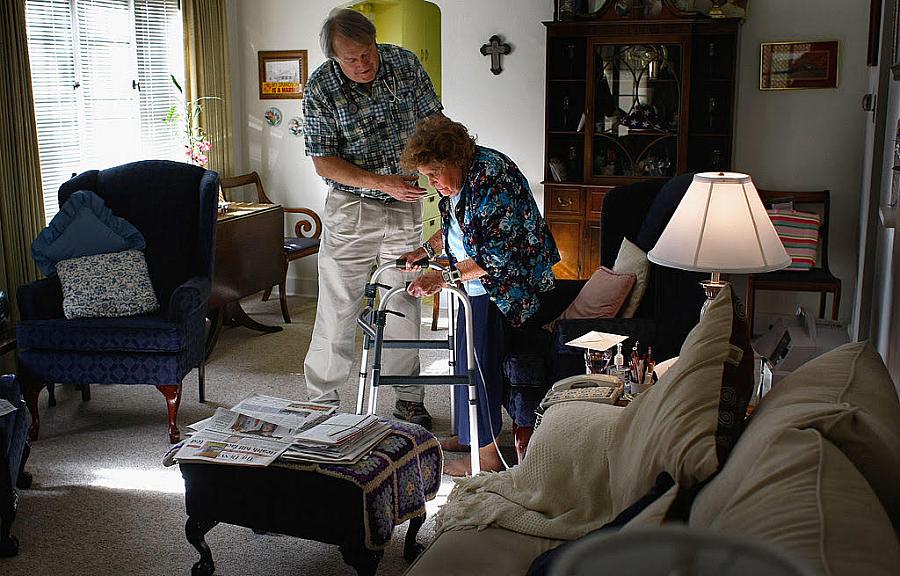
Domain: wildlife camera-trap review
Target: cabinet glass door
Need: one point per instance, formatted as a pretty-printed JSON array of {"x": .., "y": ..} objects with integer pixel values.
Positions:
[{"x": 637, "y": 109}]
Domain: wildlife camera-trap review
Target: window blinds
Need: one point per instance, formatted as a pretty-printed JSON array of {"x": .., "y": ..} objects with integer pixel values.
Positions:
[{"x": 101, "y": 78}]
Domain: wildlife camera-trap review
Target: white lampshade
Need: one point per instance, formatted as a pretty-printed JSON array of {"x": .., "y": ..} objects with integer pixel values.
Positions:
[{"x": 720, "y": 225}]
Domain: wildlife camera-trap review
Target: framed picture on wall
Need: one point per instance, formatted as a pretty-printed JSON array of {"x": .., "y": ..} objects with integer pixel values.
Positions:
[
  {"x": 874, "y": 32},
  {"x": 798, "y": 65},
  {"x": 895, "y": 39},
  {"x": 282, "y": 74}
]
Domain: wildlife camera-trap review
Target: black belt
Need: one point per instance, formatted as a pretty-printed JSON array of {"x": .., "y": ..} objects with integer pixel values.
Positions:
[{"x": 385, "y": 200}]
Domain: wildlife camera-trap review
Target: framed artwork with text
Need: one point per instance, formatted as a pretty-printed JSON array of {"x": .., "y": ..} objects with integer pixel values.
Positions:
[{"x": 282, "y": 74}]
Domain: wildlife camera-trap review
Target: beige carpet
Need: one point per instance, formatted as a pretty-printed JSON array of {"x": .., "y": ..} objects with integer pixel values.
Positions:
[{"x": 102, "y": 503}]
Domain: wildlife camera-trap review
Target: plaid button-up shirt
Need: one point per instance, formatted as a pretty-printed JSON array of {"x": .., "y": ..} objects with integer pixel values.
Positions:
[{"x": 368, "y": 128}]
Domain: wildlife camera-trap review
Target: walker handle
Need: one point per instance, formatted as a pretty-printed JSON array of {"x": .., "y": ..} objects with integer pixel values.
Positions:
[{"x": 422, "y": 262}]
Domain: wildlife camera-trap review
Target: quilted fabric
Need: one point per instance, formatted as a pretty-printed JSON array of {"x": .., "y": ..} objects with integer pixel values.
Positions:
[
  {"x": 76, "y": 367},
  {"x": 83, "y": 226},
  {"x": 106, "y": 285},
  {"x": 127, "y": 334}
]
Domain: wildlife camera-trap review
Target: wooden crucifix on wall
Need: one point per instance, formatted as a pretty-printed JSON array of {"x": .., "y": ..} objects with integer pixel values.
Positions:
[{"x": 496, "y": 48}]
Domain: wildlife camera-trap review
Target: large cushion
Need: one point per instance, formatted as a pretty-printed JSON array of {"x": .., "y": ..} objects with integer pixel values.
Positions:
[
  {"x": 487, "y": 551},
  {"x": 106, "y": 285},
  {"x": 688, "y": 422},
  {"x": 847, "y": 394},
  {"x": 795, "y": 490},
  {"x": 633, "y": 260},
  {"x": 602, "y": 296},
  {"x": 83, "y": 226}
]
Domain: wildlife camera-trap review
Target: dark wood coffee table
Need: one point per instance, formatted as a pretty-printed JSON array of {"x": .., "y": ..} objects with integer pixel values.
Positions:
[{"x": 354, "y": 506}]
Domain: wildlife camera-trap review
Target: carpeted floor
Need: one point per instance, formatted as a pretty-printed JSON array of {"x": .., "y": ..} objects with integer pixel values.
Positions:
[{"x": 102, "y": 503}]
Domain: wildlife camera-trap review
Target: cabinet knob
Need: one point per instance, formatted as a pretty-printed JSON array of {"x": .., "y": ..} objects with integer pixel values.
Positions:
[{"x": 563, "y": 202}]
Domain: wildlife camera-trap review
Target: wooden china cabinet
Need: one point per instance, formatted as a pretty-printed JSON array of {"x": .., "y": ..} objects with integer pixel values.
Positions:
[{"x": 630, "y": 96}]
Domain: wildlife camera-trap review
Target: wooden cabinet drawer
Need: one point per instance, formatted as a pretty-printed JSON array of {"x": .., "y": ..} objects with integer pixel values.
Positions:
[
  {"x": 568, "y": 236},
  {"x": 564, "y": 201},
  {"x": 595, "y": 201}
]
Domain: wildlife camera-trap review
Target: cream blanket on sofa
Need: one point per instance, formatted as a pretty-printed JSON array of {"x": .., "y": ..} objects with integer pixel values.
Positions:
[{"x": 561, "y": 489}]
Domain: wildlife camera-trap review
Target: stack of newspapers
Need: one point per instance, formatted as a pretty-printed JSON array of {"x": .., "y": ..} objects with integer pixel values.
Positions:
[
  {"x": 260, "y": 429},
  {"x": 341, "y": 439}
]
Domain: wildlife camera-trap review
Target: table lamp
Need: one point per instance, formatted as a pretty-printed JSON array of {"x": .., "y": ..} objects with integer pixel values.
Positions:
[{"x": 720, "y": 225}]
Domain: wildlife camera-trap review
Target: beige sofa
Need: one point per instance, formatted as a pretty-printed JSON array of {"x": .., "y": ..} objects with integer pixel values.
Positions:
[{"x": 814, "y": 472}]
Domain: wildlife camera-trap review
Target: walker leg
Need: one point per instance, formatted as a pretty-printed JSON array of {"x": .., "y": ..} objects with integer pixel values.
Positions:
[
  {"x": 473, "y": 421},
  {"x": 451, "y": 344},
  {"x": 360, "y": 391}
]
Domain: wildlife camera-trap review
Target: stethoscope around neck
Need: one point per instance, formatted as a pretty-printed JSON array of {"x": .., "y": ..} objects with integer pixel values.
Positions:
[{"x": 353, "y": 107}]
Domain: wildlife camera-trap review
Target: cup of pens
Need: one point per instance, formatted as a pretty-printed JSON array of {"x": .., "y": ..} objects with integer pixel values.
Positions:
[{"x": 640, "y": 371}]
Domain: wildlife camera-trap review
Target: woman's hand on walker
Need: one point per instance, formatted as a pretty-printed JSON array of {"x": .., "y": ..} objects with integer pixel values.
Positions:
[
  {"x": 426, "y": 284},
  {"x": 413, "y": 257}
]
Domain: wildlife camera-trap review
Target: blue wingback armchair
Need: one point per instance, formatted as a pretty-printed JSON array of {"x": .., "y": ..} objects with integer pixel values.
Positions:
[{"x": 174, "y": 207}]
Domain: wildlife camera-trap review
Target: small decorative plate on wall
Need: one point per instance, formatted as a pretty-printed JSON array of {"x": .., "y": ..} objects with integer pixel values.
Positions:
[
  {"x": 273, "y": 116},
  {"x": 295, "y": 126}
]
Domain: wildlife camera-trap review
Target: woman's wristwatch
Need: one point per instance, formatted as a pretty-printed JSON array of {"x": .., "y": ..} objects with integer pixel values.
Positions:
[
  {"x": 451, "y": 276},
  {"x": 429, "y": 250}
]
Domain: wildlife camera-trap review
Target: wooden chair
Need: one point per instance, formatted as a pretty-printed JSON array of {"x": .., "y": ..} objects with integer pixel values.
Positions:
[
  {"x": 818, "y": 279},
  {"x": 305, "y": 241}
]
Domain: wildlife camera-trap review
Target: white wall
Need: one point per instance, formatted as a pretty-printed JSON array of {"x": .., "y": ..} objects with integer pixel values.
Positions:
[
  {"x": 804, "y": 139},
  {"x": 808, "y": 139},
  {"x": 505, "y": 111}
]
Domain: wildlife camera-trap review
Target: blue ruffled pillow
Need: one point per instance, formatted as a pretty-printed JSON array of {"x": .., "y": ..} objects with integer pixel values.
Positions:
[{"x": 84, "y": 226}]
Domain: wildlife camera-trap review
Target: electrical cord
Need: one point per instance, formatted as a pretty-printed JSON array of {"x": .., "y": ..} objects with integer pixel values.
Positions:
[
  {"x": 490, "y": 422},
  {"x": 484, "y": 387}
]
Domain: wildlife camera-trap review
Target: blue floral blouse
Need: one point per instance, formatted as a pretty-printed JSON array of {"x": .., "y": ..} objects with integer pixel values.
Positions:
[{"x": 504, "y": 233}]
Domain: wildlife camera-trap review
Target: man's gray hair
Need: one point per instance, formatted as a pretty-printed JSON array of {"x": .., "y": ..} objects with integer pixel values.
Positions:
[{"x": 350, "y": 24}]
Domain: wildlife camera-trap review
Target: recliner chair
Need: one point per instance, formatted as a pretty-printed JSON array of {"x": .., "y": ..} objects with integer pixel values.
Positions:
[
  {"x": 669, "y": 309},
  {"x": 174, "y": 206}
]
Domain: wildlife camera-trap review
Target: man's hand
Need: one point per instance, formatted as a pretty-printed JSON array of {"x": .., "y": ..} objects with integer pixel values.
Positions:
[
  {"x": 426, "y": 284},
  {"x": 403, "y": 188}
]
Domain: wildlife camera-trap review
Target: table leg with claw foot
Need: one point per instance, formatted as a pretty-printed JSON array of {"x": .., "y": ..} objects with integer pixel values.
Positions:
[
  {"x": 411, "y": 546},
  {"x": 195, "y": 529}
]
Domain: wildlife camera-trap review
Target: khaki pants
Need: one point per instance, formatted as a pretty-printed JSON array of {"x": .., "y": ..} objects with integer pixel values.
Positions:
[{"x": 359, "y": 232}]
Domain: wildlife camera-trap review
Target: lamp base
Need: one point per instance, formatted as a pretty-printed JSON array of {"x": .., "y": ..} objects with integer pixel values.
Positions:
[{"x": 711, "y": 287}]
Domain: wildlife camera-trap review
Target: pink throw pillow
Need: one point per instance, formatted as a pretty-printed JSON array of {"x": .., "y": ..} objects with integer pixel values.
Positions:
[{"x": 602, "y": 296}]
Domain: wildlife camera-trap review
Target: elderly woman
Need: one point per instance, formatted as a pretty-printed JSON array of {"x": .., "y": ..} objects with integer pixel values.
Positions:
[{"x": 499, "y": 247}]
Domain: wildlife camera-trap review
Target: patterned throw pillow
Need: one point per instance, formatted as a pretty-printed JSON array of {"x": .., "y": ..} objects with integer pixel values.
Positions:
[
  {"x": 106, "y": 285},
  {"x": 799, "y": 232}
]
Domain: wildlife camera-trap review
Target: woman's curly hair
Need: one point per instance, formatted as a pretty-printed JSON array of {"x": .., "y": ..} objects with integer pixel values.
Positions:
[{"x": 438, "y": 141}]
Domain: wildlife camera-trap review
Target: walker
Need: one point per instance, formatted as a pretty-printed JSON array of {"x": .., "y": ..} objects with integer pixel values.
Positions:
[{"x": 372, "y": 322}]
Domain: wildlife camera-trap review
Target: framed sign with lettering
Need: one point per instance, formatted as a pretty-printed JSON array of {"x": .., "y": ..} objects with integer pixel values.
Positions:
[{"x": 282, "y": 74}]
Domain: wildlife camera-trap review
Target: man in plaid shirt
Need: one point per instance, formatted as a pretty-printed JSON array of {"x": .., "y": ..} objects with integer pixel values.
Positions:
[{"x": 359, "y": 108}]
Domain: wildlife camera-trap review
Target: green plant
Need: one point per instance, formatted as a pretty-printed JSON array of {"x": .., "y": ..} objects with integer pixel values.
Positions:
[{"x": 186, "y": 123}]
